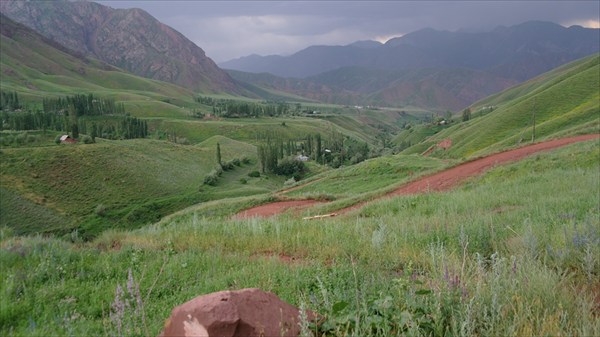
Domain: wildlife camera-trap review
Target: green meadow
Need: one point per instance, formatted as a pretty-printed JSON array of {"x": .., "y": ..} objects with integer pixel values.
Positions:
[
  {"x": 117, "y": 183},
  {"x": 521, "y": 261},
  {"x": 564, "y": 102}
]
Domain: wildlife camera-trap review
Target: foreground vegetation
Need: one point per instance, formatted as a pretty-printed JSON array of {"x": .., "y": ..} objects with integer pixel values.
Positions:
[{"x": 523, "y": 260}]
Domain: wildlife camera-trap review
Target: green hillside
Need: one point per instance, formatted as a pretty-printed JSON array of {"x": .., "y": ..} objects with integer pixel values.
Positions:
[
  {"x": 92, "y": 187},
  {"x": 382, "y": 173},
  {"x": 247, "y": 129},
  {"x": 513, "y": 252},
  {"x": 565, "y": 101},
  {"x": 36, "y": 67}
]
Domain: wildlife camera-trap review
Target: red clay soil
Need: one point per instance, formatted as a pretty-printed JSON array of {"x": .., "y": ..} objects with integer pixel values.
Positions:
[
  {"x": 274, "y": 208},
  {"x": 440, "y": 181},
  {"x": 451, "y": 177}
]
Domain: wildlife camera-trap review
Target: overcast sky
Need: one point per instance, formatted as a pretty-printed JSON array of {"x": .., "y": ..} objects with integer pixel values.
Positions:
[{"x": 231, "y": 29}]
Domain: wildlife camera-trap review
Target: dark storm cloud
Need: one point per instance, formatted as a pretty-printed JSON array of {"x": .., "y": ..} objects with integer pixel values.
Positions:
[{"x": 230, "y": 29}]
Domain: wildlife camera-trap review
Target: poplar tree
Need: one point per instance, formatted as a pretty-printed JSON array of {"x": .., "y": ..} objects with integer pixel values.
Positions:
[{"x": 218, "y": 154}]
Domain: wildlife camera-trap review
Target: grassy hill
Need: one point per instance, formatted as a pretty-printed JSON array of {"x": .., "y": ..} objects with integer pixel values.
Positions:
[
  {"x": 92, "y": 187},
  {"x": 565, "y": 102},
  {"x": 36, "y": 67},
  {"x": 247, "y": 129},
  {"x": 368, "y": 176},
  {"x": 513, "y": 252}
]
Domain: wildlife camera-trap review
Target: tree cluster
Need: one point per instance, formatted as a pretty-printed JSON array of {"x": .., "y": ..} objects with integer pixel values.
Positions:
[
  {"x": 28, "y": 120},
  {"x": 237, "y": 109},
  {"x": 9, "y": 101},
  {"x": 63, "y": 114},
  {"x": 334, "y": 150},
  {"x": 84, "y": 105},
  {"x": 124, "y": 127}
]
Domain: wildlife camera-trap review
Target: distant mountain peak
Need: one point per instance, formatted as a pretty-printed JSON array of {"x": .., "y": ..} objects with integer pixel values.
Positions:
[{"x": 366, "y": 44}]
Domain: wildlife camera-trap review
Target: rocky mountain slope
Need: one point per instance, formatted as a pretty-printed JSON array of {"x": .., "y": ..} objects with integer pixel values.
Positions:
[
  {"x": 38, "y": 67},
  {"x": 127, "y": 38}
]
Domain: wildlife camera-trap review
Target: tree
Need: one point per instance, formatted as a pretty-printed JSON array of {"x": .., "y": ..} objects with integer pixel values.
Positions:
[
  {"x": 318, "y": 149},
  {"x": 73, "y": 120},
  {"x": 219, "y": 154},
  {"x": 466, "y": 114},
  {"x": 94, "y": 131},
  {"x": 448, "y": 115},
  {"x": 384, "y": 138}
]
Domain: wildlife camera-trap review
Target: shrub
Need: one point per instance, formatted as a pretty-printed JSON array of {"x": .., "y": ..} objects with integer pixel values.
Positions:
[
  {"x": 243, "y": 181},
  {"x": 245, "y": 160},
  {"x": 254, "y": 174},
  {"x": 87, "y": 140},
  {"x": 236, "y": 162},
  {"x": 213, "y": 177},
  {"x": 227, "y": 166},
  {"x": 290, "y": 167},
  {"x": 57, "y": 139},
  {"x": 21, "y": 138},
  {"x": 100, "y": 210},
  {"x": 7, "y": 140},
  {"x": 290, "y": 181},
  {"x": 31, "y": 138}
]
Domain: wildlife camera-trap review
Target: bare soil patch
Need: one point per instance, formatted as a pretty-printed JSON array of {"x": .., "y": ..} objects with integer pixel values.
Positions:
[
  {"x": 447, "y": 179},
  {"x": 440, "y": 181},
  {"x": 274, "y": 208}
]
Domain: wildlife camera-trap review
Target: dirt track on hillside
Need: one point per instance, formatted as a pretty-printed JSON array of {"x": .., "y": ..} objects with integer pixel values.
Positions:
[
  {"x": 274, "y": 208},
  {"x": 440, "y": 181}
]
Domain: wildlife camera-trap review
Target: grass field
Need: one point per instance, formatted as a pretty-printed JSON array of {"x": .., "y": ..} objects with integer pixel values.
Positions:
[
  {"x": 247, "y": 130},
  {"x": 514, "y": 252},
  {"x": 565, "y": 102},
  {"x": 369, "y": 176},
  {"x": 117, "y": 183}
]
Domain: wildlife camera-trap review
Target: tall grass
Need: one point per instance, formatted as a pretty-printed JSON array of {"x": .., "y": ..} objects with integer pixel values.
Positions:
[{"x": 514, "y": 252}]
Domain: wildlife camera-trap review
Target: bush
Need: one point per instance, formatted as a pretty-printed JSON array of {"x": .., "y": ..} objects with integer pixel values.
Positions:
[
  {"x": 57, "y": 139},
  {"x": 236, "y": 162},
  {"x": 243, "y": 181},
  {"x": 31, "y": 138},
  {"x": 213, "y": 177},
  {"x": 7, "y": 140},
  {"x": 254, "y": 174},
  {"x": 227, "y": 166},
  {"x": 100, "y": 210},
  {"x": 245, "y": 160},
  {"x": 290, "y": 181},
  {"x": 21, "y": 138},
  {"x": 290, "y": 167},
  {"x": 87, "y": 140}
]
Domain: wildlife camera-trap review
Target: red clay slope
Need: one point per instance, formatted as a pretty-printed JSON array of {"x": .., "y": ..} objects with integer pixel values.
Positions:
[
  {"x": 445, "y": 180},
  {"x": 274, "y": 208},
  {"x": 440, "y": 181}
]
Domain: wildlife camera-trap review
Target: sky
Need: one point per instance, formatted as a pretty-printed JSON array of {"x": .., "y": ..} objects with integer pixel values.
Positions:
[{"x": 230, "y": 29}]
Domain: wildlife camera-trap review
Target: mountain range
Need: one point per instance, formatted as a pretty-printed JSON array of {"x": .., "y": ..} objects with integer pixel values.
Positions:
[
  {"x": 432, "y": 69},
  {"x": 502, "y": 51},
  {"x": 130, "y": 39}
]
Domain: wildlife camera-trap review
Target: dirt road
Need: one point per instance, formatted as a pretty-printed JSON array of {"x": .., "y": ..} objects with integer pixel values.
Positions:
[{"x": 440, "y": 181}]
